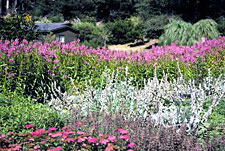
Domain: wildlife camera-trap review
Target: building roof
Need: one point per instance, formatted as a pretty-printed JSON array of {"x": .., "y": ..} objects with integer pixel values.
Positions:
[{"x": 48, "y": 27}]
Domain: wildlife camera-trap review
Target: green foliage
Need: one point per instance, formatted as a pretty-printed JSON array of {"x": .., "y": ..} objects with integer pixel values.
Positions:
[
  {"x": 90, "y": 34},
  {"x": 56, "y": 18},
  {"x": 205, "y": 28},
  {"x": 13, "y": 27},
  {"x": 154, "y": 25},
  {"x": 221, "y": 26},
  {"x": 124, "y": 31},
  {"x": 21, "y": 111},
  {"x": 148, "y": 8},
  {"x": 187, "y": 34}
]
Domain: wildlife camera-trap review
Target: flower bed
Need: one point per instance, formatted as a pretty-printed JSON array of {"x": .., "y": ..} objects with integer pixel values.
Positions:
[
  {"x": 31, "y": 67},
  {"x": 66, "y": 139}
]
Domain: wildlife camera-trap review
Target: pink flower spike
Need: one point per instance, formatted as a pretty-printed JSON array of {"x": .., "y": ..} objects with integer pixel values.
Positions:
[
  {"x": 122, "y": 131},
  {"x": 131, "y": 145},
  {"x": 130, "y": 150},
  {"x": 125, "y": 137},
  {"x": 29, "y": 126}
]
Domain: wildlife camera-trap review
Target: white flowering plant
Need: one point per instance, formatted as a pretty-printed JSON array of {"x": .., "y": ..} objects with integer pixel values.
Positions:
[{"x": 167, "y": 103}]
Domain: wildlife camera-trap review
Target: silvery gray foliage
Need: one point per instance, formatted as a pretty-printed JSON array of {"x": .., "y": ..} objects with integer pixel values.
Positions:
[{"x": 166, "y": 102}]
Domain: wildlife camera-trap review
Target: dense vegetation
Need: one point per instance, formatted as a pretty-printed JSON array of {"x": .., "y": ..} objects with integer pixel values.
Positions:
[{"x": 82, "y": 96}]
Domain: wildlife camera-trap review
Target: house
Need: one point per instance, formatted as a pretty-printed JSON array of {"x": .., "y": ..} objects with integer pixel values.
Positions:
[{"x": 63, "y": 31}]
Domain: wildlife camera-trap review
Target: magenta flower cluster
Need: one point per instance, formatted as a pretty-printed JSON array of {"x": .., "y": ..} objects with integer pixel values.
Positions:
[
  {"x": 68, "y": 138},
  {"x": 51, "y": 51}
]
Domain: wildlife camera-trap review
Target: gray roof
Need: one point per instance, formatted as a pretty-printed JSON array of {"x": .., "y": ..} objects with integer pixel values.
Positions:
[{"x": 47, "y": 27}]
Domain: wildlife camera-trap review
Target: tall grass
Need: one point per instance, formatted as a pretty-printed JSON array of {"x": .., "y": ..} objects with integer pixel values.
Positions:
[{"x": 187, "y": 34}]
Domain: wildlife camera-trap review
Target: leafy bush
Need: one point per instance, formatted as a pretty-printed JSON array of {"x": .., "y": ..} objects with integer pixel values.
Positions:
[
  {"x": 124, "y": 31},
  {"x": 205, "y": 28},
  {"x": 154, "y": 26},
  {"x": 22, "y": 111},
  {"x": 91, "y": 35},
  {"x": 66, "y": 139},
  {"x": 187, "y": 34},
  {"x": 13, "y": 27},
  {"x": 221, "y": 25}
]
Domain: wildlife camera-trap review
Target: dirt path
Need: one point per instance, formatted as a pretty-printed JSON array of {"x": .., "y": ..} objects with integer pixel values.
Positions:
[{"x": 126, "y": 47}]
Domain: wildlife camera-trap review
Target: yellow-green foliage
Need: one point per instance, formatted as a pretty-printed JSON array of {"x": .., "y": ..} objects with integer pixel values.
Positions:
[{"x": 187, "y": 34}]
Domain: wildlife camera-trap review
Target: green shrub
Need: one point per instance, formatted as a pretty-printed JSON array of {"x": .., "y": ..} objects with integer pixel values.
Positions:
[
  {"x": 22, "y": 111},
  {"x": 187, "y": 34},
  {"x": 20, "y": 27},
  {"x": 124, "y": 31},
  {"x": 56, "y": 18},
  {"x": 206, "y": 28},
  {"x": 91, "y": 35},
  {"x": 154, "y": 26},
  {"x": 221, "y": 26}
]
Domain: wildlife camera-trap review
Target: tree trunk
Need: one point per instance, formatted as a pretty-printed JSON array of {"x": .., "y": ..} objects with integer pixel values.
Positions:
[
  {"x": 7, "y": 6},
  {"x": 15, "y": 6}
]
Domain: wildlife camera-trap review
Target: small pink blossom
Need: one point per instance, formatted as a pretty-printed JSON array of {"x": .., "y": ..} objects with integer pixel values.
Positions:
[
  {"x": 17, "y": 148},
  {"x": 56, "y": 134},
  {"x": 112, "y": 138},
  {"x": 131, "y": 145},
  {"x": 3, "y": 136},
  {"x": 11, "y": 75},
  {"x": 126, "y": 137},
  {"x": 36, "y": 147},
  {"x": 71, "y": 140},
  {"x": 43, "y": 142},
  {"x": 81, "y": 132},
  {"x": 56, "y": 149},
  {"x": 53, "y": 129},
  {"x": 81, "y": 140},
  {"x": 122, "y": 131},
  {"x": 56, "y": 61},
  {"x": 92, "y": 140},
  {"x": 86, "y": 63},
  {"x": 84, "y": 145},
  {"x": 29, "y": 126},
  {"x": 11, "y": 60},
  {"x": 103, "y": 141}
]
